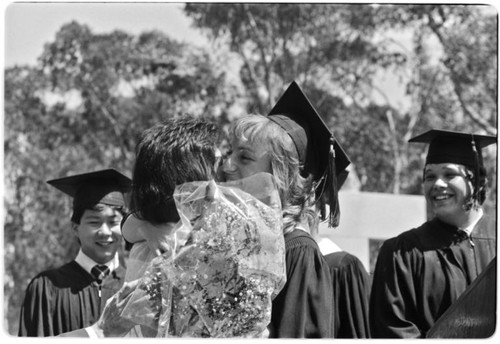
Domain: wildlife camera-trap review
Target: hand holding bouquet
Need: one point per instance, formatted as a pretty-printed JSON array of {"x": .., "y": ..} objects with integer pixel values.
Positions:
[{"x": 226, "y": 264}]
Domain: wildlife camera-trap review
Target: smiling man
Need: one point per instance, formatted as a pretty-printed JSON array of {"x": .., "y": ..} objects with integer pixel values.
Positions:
[
  {"x": 72, "y": 296},
  {"x": 422, "y": 272}
]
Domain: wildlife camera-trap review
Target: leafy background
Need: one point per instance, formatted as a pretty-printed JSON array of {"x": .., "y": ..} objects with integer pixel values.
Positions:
[{"x": 90, "y": 95}]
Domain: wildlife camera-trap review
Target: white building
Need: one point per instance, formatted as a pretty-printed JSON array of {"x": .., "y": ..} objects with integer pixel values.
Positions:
[{"x": 368, "y": 218}]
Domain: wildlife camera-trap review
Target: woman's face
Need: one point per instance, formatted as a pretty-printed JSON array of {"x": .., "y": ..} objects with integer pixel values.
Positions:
[
  {"x": 246, "y": 159},
  {"x": 446, "y": 188}
]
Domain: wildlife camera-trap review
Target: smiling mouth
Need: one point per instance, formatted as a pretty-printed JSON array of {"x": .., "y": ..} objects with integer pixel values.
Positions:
[
  {"x": 442, "y": 197},
  {"x": 104, "y": 243}
]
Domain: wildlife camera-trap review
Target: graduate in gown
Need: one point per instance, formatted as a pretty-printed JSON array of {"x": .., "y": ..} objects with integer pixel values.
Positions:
[
  {"x": 295, "y": 145},
  {"x": 303, "y": 308},
  {"x": 351, "y": 290},
  {"x": 72, "y": 296},
  {"x": 421, "y": 272}
]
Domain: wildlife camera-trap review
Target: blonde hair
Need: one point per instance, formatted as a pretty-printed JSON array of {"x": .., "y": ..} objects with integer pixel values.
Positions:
[{"x": 295, "y": 191}]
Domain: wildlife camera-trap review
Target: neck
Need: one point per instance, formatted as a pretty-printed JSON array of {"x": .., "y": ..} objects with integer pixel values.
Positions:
[{"x": 463, "y": 220}]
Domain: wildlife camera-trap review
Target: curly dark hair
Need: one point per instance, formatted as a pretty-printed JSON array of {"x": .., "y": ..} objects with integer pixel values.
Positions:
[
  {"x": 177, "y": 151},
  {"x": 480, "y": 185}
]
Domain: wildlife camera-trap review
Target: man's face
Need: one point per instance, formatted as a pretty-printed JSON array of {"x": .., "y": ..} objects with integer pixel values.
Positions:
[{"x": 99, "y": 233}]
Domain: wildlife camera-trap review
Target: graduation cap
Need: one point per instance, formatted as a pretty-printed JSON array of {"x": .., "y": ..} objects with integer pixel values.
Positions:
[
  {"x": 88, "y": 189},
  {"x": 319, "y": 152},
  {"x": 454, "y": 147},
  {"x": 457, "y": 148}
]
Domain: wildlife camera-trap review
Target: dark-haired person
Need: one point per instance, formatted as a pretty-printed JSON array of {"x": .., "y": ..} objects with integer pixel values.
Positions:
[
  {"x": 72, "y": 296},
  {"x": 421, "y": 272},
  {"x": 180, "y": 150},
  {"x": 169, "y": 153},
  {"x": 351, "y": 290}
]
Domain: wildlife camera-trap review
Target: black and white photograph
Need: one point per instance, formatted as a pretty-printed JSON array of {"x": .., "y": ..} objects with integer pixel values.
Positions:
[{"x": 250, "y": 170}]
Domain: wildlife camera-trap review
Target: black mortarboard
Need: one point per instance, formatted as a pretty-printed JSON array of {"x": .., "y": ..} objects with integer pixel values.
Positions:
[
  {"x": 454, "y": 147},
  {"x": 318, "y": 150},
  {"x": 88, "y": 189}
]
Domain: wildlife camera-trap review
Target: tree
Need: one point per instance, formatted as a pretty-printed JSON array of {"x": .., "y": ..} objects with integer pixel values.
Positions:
[
  {"x": 454, "y": 85},
  {"x": 466, "y": 36},
  {"x": 338, "y": 51},
  {"x": 107, "y": 88}
]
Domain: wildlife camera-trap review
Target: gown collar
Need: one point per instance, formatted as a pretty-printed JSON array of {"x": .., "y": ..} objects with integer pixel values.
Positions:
[
  {"x": 88, "y": 263},
  {"x": 438, "y": 234}
]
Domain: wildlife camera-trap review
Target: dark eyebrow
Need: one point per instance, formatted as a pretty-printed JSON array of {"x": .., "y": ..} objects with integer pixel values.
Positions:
[
  {"x": 103, "y": 218},
  {"x": 452, "y": 169},
  {"x": 93, "y": 217}
]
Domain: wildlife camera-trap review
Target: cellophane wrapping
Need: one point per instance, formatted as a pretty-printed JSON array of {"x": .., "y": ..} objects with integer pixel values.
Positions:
[{"x": 226, "y": 264}]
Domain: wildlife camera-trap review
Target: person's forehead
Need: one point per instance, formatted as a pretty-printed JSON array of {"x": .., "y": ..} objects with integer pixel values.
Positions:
[
  {"x": 249, "y": 141},
  {"x": 101, "y": 211},
  {"x": 248, "y": 146},
  {"x": 445, "y": 166}
]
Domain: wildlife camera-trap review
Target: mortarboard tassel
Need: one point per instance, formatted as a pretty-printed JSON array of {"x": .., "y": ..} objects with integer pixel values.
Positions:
[
  {"x": 332, "y": 188},
  {"x": 475, "y": 194}
]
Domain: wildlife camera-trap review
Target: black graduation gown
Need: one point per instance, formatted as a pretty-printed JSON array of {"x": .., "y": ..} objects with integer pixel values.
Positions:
[
  {"x": 420, "y": 273},
  {"x": 303, "y": 308},
  {"x": 351, "y": 290},
  {"x": 65, "y": 299}
]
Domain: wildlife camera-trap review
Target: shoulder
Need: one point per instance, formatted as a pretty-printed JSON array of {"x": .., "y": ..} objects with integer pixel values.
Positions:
[
  {"x": 65, "y": 276},
  {"x": 421, "y": 238},
  {"x": 54, "y": 272},
  {"x": 408, "y": 246},
  {"x": 403, "y": 241},
  {"x": 299, "y": 238},
  {"x": 485, "y": 228},
  {"x": 337, "y": 259},
  {"x": 303, "y": 253},
  {"x": 342, "y": 259},
  {"x": 46, "y": 279}
]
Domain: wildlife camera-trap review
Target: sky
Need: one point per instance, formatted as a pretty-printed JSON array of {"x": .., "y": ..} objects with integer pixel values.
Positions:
[{"x": 28, "y": 26}]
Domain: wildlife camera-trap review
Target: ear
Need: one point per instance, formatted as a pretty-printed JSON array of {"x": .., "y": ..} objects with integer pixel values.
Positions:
[{"x": 74, "y": 227}]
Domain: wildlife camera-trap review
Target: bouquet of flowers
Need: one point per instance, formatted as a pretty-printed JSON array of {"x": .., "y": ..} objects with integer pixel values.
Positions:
[{"x": 226, "y": 264}]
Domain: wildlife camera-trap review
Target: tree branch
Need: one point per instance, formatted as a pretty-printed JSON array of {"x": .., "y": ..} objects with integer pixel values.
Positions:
[{"x": 457, "y": 85}]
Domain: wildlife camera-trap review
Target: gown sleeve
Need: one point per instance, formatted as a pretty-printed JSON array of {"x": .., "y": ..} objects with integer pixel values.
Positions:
[
  {"x": 393, "y": 310},
  {"x": 35, "y": 319},
  {"x": 351, "y": 286},
  {"x": 303, "y": 307}
]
